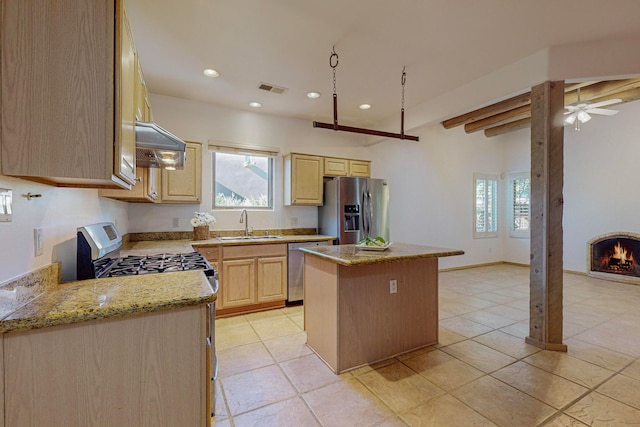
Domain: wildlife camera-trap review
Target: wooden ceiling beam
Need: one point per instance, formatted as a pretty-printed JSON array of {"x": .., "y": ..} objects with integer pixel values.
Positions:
[
  {"x": 499, "y": 119},
  {"x": 508, "y": 127},
  {"x": 498, "y": 107},
  {"x": 601, "y": 89},
  {"x": 511, "y": 109},
  {"x": 629, "y": 95}
]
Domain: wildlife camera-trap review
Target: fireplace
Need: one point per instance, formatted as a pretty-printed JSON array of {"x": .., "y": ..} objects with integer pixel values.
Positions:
[{"x": 615, "y": 256}]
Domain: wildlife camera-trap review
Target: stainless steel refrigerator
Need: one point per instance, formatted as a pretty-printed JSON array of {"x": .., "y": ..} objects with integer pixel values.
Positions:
[{"x": 354, "y": 208}]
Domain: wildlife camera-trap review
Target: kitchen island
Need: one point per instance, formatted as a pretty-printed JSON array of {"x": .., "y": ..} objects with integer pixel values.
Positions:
[{"x": 364, "y": 306}]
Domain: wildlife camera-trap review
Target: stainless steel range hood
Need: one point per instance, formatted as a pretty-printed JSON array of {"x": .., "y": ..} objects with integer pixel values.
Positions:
[{"x": 157, "y": 148}]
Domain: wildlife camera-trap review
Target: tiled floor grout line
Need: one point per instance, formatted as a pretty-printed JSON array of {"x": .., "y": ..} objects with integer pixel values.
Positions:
[{"x": 558, "y": 412}]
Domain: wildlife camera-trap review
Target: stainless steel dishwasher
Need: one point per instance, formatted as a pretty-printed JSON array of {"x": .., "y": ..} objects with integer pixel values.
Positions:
[{"x": 295, "y": 288}]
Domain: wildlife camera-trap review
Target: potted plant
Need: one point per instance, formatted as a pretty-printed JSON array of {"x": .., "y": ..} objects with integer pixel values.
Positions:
[{"x": 201, "y": 223}]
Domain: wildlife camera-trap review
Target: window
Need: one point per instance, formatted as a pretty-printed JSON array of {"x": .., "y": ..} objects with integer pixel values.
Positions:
[
  {"x": 242, "y": 180},
  {"x": 485, "y": 206},
  {"x": 519, "y": 204}
]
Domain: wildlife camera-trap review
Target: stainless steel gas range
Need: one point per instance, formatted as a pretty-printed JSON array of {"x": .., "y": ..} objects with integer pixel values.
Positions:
[{"x": 98, "y": 256}]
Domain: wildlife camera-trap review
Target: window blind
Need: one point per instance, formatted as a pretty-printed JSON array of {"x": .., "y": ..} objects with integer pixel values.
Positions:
[{"x": 248, "y": 149}]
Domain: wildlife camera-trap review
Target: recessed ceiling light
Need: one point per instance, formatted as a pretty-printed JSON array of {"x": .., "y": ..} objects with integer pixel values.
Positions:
[
  {"x": 364, "y": 106},
  {"x": 210, "y": 72},
  {"x": 255, "y": 104},
  {"x": 313, "y": 95}
]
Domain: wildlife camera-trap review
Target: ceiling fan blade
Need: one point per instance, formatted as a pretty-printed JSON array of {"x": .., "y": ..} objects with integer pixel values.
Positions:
[
  {"x": 604, "y": 103},
  {"x": 603, "y": 111},
  {"x": 571, "y": 108}
]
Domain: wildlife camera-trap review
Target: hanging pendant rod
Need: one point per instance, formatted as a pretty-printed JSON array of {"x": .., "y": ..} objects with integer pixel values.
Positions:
[
  {"x": 364, "y": 131},
  {"x": 335, "y": 126}
]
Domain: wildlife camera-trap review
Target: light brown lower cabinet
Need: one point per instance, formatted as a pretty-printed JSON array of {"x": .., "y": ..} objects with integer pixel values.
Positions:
[
  {"x": 142, "y": 370},
  {"x": 253, "y": 277}
]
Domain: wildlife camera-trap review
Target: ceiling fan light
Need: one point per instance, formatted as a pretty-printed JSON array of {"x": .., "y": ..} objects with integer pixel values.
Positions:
[
  {"x": 584, "y": 117},
  {"x": 570, "y": 119}
]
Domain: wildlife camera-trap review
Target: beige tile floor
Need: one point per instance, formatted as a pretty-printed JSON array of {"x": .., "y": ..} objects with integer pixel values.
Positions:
[{"x": 480, "y": 374}]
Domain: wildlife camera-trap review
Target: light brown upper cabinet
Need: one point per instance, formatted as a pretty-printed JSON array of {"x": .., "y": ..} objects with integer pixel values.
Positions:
[
  {"x": 346, "y": 167},
  {"x": 184, "y": 186},
  {"x": 336, "y": 167},
  {"x": 147, "y": 180},
  {"x": 303, "y": 180},
  {"x": 146, "y": 188},
  {"x": 360, "y": 168},
  {"x": 60, "y": 66}
]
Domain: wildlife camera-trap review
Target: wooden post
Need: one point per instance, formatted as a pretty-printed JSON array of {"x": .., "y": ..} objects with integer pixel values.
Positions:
[{"x": 547, "y": 145}]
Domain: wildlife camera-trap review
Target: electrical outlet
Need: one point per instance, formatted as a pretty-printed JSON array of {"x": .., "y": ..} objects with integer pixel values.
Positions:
[
  {"x": 37, "y": 241},
  {"x": 175, "y": 222},
  {"x": 393, "y": 286}
]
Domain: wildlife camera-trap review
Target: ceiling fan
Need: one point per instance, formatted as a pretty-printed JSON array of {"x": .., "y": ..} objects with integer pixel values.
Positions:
[{"x": 580, "y": 112}]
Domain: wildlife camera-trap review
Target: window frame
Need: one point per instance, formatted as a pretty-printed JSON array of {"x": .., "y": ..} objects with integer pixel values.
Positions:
[
  {"x": 520, "y": 234},
  {"x": 495, "y": 210},
  {"x": 244, "y": 152}
]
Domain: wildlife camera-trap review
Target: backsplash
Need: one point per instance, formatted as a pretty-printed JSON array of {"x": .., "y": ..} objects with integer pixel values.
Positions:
[
  {"x": 19, "y": 291},
  {"x": 188, "y": 235}
]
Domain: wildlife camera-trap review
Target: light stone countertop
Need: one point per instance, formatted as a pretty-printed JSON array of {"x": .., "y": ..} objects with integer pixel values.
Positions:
[
  {"x": 91, "y": 299},
  {"x": 350, "y": 255},
  {"x": 78, "y": 301}
]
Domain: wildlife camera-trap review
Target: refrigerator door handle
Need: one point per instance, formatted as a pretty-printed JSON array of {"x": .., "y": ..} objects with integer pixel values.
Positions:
[
  {"x": 365, "y": 217},
  {"x": 369, "y": 212}
]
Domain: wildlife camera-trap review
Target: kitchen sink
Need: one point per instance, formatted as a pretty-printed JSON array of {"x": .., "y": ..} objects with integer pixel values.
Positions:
[{"x": 249, "y": 237}]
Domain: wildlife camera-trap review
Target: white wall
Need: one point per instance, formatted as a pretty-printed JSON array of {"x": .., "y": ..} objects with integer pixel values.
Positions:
[
  {"x": 431, "y": 189},
  {"x": 58, "y": 212},
  {"x": 431, "y": 186},
  {"x": 517, "y": 159},
  {"x": 601, "y": 178},
  {"x": 200, "y": 122}
]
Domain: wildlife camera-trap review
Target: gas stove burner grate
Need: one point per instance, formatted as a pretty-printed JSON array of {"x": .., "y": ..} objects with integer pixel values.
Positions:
[{"x": 160, "y": 263}]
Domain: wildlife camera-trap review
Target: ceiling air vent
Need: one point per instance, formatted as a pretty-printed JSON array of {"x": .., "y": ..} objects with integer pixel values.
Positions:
[{"x": 272, "y": 88}]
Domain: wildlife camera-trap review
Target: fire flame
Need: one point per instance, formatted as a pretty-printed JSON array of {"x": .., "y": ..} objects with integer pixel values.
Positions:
[{"x": 621, "y": 254}]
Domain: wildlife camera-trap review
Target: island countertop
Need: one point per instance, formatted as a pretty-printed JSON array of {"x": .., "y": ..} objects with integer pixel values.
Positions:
[{"x": 350, "y": 255}]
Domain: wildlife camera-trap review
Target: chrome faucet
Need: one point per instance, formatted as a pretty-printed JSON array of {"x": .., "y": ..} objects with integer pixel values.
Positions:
[{"x": 244, "y": 218}]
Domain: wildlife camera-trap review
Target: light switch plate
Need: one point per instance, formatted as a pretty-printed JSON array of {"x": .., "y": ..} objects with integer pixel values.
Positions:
[
  {"x": 37, "y": 241},
  {"x": 6, "y": 205}
]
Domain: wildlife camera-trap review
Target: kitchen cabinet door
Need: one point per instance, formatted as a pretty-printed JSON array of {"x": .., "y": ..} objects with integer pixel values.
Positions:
[
  {"x": 253, "y": 277},
  {"x": 272, "y": 279},
  {"x": 360, "y": 168},
  {"x": 126, "y": 149},
  {"x": 184, "y": 186},
  {"x": 336, "y": 167},
  {"x": 144, "y": 190},
  {"x": 124, "y": 371},
  {"x": 61, "y": 117},
  {"x": 303, "y": 180},
  {"x": 239, "y": 277}
]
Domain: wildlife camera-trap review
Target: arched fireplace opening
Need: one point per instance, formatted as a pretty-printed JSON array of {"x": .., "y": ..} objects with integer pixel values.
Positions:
[{"x": 615, "y": 256}]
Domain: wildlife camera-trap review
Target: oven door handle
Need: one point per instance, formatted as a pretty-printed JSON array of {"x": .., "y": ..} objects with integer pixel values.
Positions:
[{"x": 214, "y": 284}]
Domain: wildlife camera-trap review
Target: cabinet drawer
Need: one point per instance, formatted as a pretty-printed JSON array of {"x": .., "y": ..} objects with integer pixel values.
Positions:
[
  {"x": 211, "y": 253},
  {"x": 250, "y": 251}
]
